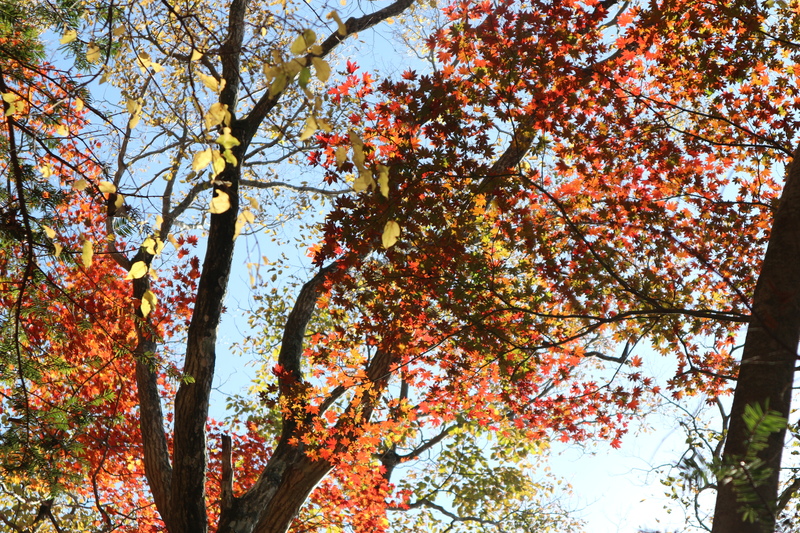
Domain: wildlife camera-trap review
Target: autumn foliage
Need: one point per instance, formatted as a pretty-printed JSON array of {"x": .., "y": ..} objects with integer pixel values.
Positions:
[{"x": 562, "y": 184}]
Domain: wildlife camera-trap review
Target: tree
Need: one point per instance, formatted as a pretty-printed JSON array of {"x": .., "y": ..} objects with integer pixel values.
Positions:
[{"x": 558, "y": 187}]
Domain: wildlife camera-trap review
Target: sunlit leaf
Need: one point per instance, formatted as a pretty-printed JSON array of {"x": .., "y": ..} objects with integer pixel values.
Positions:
[
  {"x": 87, "y": 253},
  {"x": 92, "y": 53},
  {"x": 309, "y": 129},
  {"x": 341, "y": 28},
  {"x": 201, "y": 159},
  {"x": 69, "y": 36},
  {"x": 322, "y": 68},
  {"x": 149, "y": 302},
  {"x": 220, "y": 202},
  {"x": 383, "y": 180},
  {"x": 391, "y": 231},
  {"x": 227, "y": 140},
  {"x": 106, "y": 187},
  {"x": 138, "y": 270}
]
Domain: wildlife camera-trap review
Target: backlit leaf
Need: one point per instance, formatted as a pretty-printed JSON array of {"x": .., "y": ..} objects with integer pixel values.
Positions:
[
  {"x": 149, "y": 302},
  {"x": 107, "y": 187},
  {"x": 138, "y": 270},
  {"x": 201, "y": 160},
  {"x": 220, "y": 202},
  {"x": 391, "y": 231},
  {"x": 69, "y": 36},
  {"x": 93, "y": 53},
  {"x": 87, "y": 253}
]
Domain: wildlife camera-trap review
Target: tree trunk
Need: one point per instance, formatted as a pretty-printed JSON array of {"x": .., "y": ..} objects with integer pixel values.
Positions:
[{"x": 767, "y": 368}]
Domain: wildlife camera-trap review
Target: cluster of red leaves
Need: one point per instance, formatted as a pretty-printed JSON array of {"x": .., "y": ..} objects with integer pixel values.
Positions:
[
  {"x": 69, "y": 407},
  {"x": 641, "y": 211}
]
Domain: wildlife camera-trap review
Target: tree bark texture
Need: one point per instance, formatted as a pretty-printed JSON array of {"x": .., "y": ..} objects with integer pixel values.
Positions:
[{"x": 767, "y": 369}]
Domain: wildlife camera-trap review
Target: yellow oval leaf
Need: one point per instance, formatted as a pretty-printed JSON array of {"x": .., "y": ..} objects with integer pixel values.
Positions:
[
  {"x": 92, "y": 53},
  {"x": 149, "y": 302},
  {"x": 309, "y": 129},
  {"x": 383, "y": 180},
  {"x": 322, "y": 68},
  {"x": 220, "y": 203},
  {"x": 57, "y": 248},
  {"x": 80, "y": 184},
  {"x": 68, "y": 37},
  {"x": 50, "y": 232},
  {"x": 298, "y": 46},
  {"x": 138, "y": 270},
  {"x": 87, "y": 253},
  {"x": 106, "y": 187},
  {"x": 391, "y": 231},
  {"x": 201, "y": 159}
]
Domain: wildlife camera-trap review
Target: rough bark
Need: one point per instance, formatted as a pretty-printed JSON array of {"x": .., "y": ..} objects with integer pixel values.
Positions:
[{"x": 768, "y": 361}]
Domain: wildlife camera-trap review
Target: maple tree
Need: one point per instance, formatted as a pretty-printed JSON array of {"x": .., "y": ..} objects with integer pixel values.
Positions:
[{"x": 566, "y": 180}]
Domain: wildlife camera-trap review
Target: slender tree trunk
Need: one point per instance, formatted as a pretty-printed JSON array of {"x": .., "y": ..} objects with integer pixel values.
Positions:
[{"x": 770, "y": 352}]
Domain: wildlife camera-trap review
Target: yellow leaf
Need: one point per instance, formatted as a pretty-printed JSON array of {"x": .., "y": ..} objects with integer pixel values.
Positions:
[
  {"x": 50, "y": 232},
  {"x": 87, "y": 253},
  {"x": 68, "y": 37},
  {"x": 92, "y": 53},
  {"x": 201, "y": 159},
  {"x": 245, "y": 217},
  {"x": 118, "y": 201},
  {"x": 58, "y": 248},
  {"x": 134, "y": 121},
  {"x": 149, "y": 303},
  {"x": 341, "y": 155},
  {"x": 159, "y": 221},
  {"x": 171, "y": 238},
  {"x": 228, "y": 156},
  {"x": 46, "y": 171},
  {"x": 119, "y": 31},
  {"x": 278, "y": 84},
  {"x": 254, "y": 203},
  {"x": 227, "y": 140},
  {"x": 133, "y": 105},
  {"x": 363, "y": 181},
  {"x": 211, "y": 82},
  {"x": 324, "y": 125},
  {"x": 358, "y": 156},
  {"x": 138, "y": 270},
  {"x": 217, "y": 162},
  {"x": 220, "y": 202},
  {"x": 391, "y": 231},
  {"x": 149, "y": 246},
  {"x": 78, "y": 105},
  {"x": 62, "y": 130},
  {"x": 383, "y": 180},
  {"x": 196, "y": 55},
  {"x": 322, "y": 68},
  {"x": 106, "y": 187},
  {"x": 298, "y": 46},
  {"x": 341, "y": 28},
  {"x": 80, "y": 184},
  {"x": 310, "y": 37},
  {"x": 263, "y": 31},
  {"x": 310, "y": 128},
  {"x": 217, "y": 114}
]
